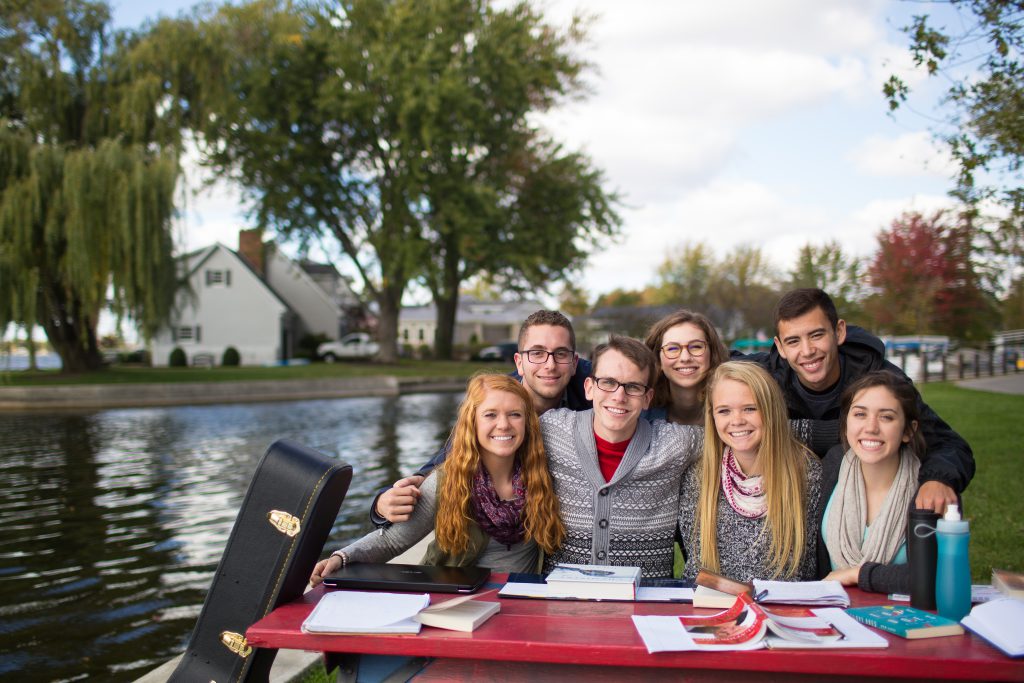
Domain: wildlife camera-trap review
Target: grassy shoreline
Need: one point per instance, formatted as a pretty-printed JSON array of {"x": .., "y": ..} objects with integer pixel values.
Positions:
[{"x": 146, "y": 375}]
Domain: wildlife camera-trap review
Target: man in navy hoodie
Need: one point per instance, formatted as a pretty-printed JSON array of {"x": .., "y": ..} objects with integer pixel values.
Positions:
[
  {"x": 817, "y": 355},
  {"x": 551, "y": 371}
]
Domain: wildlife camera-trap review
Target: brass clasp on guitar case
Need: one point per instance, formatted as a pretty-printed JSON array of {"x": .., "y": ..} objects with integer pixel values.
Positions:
[
  {"x": 237, "y": 643},
  {"x": 284, "y": 522}
]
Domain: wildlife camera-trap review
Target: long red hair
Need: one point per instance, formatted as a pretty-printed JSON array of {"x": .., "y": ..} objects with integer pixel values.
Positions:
[{"x": 542, "y": 521}]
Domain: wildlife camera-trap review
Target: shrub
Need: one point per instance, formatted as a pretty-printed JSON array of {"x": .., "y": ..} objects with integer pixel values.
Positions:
[
  {"x": 178, "y": 358},
  {"x": 425, "y": 352},
  {"x": 306, "y": 348},
  {"x": 231, "y": 356}
]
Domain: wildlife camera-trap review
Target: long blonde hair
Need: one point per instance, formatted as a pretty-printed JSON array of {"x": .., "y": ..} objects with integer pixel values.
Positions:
[
  {"x": 454, "y": 512},
  {"x": 783, "y": 465}
]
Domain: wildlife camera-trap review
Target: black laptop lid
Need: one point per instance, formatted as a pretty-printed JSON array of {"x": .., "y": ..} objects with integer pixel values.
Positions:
[{"x": 409, "y": 577}]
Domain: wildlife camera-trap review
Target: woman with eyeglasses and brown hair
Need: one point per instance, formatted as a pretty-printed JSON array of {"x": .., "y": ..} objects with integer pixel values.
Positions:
[{"x": 687, "y": 349}]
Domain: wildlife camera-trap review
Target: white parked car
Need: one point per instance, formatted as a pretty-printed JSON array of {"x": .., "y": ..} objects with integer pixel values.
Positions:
[{"x": 354, "y": 345}]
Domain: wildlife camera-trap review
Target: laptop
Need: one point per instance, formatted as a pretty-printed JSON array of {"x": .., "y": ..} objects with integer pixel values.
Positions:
[{"x": 409, "y": 577}]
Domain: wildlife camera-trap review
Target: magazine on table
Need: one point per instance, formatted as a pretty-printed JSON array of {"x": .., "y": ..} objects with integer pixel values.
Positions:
[{"x": 750, "y": 626}]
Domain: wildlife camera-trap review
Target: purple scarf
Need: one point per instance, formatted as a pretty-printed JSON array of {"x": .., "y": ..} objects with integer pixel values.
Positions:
[{"x": 502, "y": 520}]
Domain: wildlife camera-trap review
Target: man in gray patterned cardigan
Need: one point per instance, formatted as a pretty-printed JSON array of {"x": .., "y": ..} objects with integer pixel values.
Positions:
[{"x": 617, "y": 476}]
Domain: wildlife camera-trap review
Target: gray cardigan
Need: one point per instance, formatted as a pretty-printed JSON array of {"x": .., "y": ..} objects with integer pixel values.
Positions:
[{"x": 630, "y": 520}]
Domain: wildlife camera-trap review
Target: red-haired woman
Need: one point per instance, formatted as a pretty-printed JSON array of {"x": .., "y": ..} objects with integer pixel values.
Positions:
[{"x": 491, "y": 503}]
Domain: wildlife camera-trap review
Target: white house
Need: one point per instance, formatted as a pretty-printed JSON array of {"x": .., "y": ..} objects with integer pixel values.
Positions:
[
  {"x": 257, "y": 300},
  {"x": 481, "y": 322}
]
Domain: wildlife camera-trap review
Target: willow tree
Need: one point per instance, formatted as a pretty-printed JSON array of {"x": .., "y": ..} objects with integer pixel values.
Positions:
[{"x": 86, "y": 191}]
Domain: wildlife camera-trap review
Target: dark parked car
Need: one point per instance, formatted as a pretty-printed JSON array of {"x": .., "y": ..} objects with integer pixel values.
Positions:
[{"x": 503, "y": 351}]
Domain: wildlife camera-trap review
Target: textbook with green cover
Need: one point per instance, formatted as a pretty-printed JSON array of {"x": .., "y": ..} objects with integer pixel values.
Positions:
[{"x": 906, "y": 621}]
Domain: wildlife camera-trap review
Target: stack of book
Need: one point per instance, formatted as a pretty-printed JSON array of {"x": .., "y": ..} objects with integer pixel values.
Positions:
[{"x": 593, "y": 582}]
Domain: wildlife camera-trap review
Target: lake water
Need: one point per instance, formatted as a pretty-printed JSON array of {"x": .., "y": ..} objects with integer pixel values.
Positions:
[{"x": 113, "y": 522}]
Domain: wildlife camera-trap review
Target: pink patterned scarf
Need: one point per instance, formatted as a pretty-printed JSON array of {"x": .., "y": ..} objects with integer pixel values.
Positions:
[{"x": 745, "y": 494}]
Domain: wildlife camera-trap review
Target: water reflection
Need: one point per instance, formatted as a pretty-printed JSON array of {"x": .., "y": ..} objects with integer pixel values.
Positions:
[{"x": 113, "y": 522}]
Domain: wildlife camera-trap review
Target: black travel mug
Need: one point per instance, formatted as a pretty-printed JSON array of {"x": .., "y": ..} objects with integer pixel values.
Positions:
[{"x": 921, "y": 553}]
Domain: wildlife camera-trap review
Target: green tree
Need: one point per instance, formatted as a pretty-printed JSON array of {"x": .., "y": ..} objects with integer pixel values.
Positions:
[
  {"x": 87, "y": 188},
  {"x": 978, "y": 54},
  {"x": 573, "y": 299},
  {"x": 398, "y": 128},
  {"x": 745, "y": 287},
  {"x": 684, "y": 277},
  {"x": 827, "y": 267}
]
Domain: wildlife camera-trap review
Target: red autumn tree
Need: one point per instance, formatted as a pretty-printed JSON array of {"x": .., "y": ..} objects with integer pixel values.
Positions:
[{"x": 926, "y": 282}]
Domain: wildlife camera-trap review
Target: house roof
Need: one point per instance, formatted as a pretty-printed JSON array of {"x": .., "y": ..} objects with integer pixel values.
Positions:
[{"x": 471, "y": 310}]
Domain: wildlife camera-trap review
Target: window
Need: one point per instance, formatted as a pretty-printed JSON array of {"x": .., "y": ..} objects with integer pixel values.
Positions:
[
  {"x": 421, "y": 334},
  {"x": 187, "y": 334},
  {"x": 218, "y": 278},
  {"x": 405, "y": 334}
]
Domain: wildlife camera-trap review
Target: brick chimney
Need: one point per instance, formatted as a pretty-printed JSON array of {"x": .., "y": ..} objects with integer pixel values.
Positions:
[{"x": 250, "y": 246}]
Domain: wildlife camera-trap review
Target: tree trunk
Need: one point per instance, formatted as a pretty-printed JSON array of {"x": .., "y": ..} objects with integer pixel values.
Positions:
[
  {"x": 70, "y": 331},
  {"x": 444, "y": 336},
  {"x": 446, "y": 298},
  {"x": 390, "y": 303}
]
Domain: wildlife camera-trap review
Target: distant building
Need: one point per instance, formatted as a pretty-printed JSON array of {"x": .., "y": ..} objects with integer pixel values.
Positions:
[
  {"x": 257, "y": 300},
  {"x": 476, "y": 322}
]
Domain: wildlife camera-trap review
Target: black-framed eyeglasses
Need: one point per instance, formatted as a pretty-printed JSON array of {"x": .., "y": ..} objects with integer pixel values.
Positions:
[
  {"x": 611, "y": 385},
  {"x": 538, "y": 356},
  {"x": 672, "y": 350}
]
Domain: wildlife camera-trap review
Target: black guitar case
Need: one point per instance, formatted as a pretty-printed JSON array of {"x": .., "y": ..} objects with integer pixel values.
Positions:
[{"x": 280, "y": 531}]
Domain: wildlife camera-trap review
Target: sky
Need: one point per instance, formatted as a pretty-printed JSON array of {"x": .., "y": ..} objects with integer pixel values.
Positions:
[{"x": 731, "y": 123}]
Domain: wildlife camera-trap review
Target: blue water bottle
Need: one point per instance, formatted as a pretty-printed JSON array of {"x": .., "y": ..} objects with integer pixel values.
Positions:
[{"x": 953, "y": 569}]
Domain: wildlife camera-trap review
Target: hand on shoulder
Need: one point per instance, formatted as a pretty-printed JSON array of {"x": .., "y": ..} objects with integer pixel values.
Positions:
[{"x": 397, "y": 503}]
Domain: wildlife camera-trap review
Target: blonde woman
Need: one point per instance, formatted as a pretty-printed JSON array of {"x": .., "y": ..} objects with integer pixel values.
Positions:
[
  {"x": 747, "y": 510},
  {"x": 491, "y": 503}
]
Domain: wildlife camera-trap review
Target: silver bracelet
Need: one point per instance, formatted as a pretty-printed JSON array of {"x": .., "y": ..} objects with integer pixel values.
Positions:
[{"x": 342, "y": 556}]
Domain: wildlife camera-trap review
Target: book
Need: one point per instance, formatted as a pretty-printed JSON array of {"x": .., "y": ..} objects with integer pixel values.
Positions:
[
  {"x": 715, "y": 590},
  {"x": 749, "y": 626},
  {"x": 722, "y": 584},
  {"x": 906, "y": 621},
  {"x": 813, "y": 593},
  {"x": 461, "y": 614},
  {"x": 709, "y": 597},
  {"x": 593, "y": 582},
  {"x": 366, "y": 612},
  {"x": 1010, "y": 583},
  {"x": 521, "y": 585},
  {"x": 1001, "y": 623}
]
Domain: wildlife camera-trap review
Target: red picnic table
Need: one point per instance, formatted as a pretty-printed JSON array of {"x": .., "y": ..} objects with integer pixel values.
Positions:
[{"x": 540, "y": 640}]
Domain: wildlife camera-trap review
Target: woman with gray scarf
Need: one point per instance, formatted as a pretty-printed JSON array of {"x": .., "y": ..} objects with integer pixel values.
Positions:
[{"x": 872, "y": 479}]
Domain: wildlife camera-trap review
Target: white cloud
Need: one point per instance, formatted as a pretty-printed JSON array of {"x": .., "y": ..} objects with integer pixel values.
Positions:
[{"x": 908, "y": 155}]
